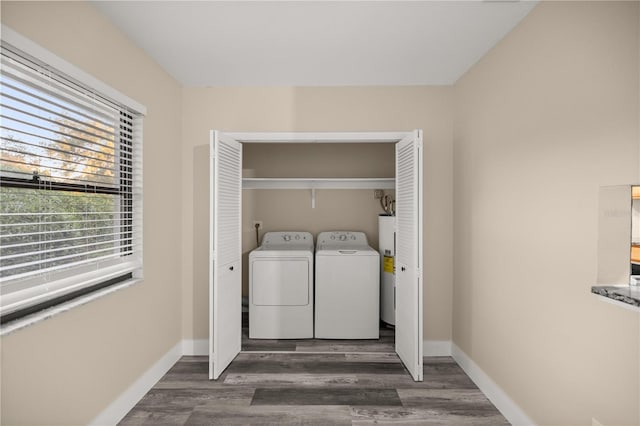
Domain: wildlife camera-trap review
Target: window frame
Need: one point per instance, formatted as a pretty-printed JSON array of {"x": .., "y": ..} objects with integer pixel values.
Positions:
[{"x": 70, "y": 291}]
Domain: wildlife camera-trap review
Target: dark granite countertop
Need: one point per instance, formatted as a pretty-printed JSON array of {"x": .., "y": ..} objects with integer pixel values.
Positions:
[{"x": 622, "y": 293}]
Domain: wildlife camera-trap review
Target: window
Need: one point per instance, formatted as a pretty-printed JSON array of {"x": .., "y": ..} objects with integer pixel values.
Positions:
[{"x": 70, "y": 188}]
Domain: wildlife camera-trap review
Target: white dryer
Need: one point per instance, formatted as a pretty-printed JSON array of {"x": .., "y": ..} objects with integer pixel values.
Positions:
[
  {"x": 281, "y": 287},
  {"x": 347, "y": 287}
]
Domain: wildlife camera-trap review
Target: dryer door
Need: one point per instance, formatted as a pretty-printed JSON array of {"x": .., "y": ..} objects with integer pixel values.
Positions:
[
  {"x": 225, "y": 263},
  {"x": 280, "y": 282}
]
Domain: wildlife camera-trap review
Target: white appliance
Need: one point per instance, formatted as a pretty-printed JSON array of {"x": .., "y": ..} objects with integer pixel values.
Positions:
[
  {"x": 387, "y": 249},
  {"x": 347, "y": 287},
  {"x": 281, "y": 287}
]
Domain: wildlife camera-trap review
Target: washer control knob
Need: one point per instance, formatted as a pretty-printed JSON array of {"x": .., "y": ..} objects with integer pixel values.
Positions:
[
  {"x": 297, "y": 237},
  {"x": 353, "y": 237},
  {"x": 343, "y": 237},
  {"x": 287, "y": 237}
]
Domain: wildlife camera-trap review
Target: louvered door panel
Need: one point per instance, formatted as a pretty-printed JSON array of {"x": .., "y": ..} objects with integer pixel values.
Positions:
[
  {"x": 409, "y": 253},
  {"x": 229, "y": 193},
  {"x": 225, "y": 286}
]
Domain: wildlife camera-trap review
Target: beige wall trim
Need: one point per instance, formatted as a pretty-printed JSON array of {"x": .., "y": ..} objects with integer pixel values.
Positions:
[
  {"x": 513, "y": 413},
  {"x": 436, "y": 348},
  {"x": 130, "y": 397}
]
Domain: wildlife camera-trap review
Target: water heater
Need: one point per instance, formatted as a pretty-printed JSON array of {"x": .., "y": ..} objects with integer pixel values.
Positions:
[{"x": 387, "y": 248}]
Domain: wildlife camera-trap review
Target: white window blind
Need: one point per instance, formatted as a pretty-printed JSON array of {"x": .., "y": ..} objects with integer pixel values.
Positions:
[{"x": 70, "y": 187}]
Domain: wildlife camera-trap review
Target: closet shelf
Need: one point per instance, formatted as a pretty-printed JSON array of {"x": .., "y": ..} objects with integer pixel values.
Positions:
[{"x": 318, "y": 183}]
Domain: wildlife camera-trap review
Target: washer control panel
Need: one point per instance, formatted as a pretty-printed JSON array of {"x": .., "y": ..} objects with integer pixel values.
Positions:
[{"x": 342, "y": 237}]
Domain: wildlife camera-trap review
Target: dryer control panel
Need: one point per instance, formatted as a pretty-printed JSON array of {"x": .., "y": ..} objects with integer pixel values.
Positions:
[
  {"x": 346, "y": 238},
  {"x": 287, "y": 238}
]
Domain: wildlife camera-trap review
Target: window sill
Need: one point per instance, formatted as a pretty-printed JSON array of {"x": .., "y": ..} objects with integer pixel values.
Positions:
[
  {"x": 626, "y": 296},
  {"x": 35, "y": 318}
]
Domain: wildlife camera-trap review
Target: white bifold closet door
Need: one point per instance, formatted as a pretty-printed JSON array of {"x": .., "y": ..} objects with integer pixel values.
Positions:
[
  {"x": 225, "y": 254},
  {"x": 409, "y": 253},
  {"x": 225, "y": 282}
]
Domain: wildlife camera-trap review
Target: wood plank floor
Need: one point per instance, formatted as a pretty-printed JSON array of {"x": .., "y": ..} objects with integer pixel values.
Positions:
[
  {"x": 315, "y": 389},
  {"x": 386, "y": 343}
]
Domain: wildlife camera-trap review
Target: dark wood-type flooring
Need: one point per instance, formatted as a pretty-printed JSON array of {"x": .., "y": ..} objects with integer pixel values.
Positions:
[
  {"x": 316, "y": 389},
  {"x": 386, "y": 343},
  {"x": 335, "y": 387}
]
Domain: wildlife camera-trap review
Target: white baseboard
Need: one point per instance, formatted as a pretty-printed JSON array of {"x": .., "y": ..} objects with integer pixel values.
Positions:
[
  {"x": 509, "y": 409},
  {"x": 130, "y": 397},
  {"x": 436, "y": 348},
  {"x": 194, "y": 347}
]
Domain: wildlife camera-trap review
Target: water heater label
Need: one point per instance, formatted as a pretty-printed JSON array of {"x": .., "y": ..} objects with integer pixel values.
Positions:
[{"x": 388, "y": 264}]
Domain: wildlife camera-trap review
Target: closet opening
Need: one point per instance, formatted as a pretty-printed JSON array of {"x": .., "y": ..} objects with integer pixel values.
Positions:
[{"x": 288, "y": 324}]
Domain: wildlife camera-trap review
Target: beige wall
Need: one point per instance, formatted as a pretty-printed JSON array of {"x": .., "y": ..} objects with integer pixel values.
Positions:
[
  {"x": 317, "y": 109},
  {"x": 545, "y": 119},
  {"x": 542, "y": 121},
  {"x": 67, "y": 369}
]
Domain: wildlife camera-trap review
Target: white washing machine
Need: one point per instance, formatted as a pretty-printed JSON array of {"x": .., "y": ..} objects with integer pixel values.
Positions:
[
  {"x": 347, "y": 287},
  {"x": 281, "y": 287}
]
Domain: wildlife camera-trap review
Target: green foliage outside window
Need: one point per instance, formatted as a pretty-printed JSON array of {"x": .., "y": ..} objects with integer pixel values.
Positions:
[{"x": 54, "y": 224}]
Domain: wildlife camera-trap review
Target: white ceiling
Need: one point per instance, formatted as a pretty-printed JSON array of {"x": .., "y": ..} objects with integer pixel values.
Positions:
[{"x": 315, "y": 43}]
